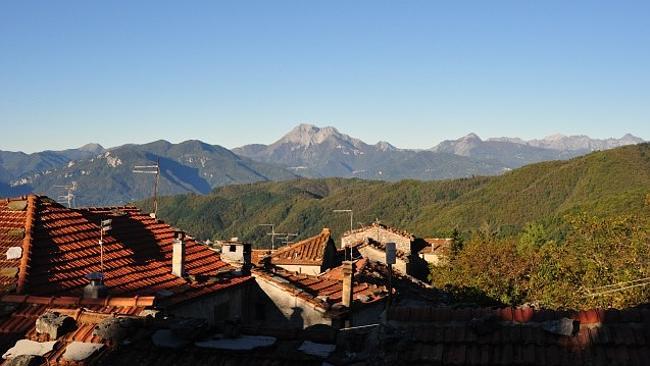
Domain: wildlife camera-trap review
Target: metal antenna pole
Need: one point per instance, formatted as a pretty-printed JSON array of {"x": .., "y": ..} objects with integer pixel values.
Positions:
[
  {"x": 351, "y": 228},
  {"x": 101, "y": 249},
  {"x": 151, "y": 169},
  {"x": 272, "y": 234},
  {"x": 104, "y": 226},
  {"x": 155, "y": 189}
]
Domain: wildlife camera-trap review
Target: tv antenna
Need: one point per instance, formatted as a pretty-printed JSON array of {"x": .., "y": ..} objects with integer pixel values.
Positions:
[
  {"x": 272, "y": 234},
  {"x": 351, "y": 228},
  {"x": 68, "y": 197},
  {"x": 287, "y": 237},
  {"x": 104, "y": 228},
  {"x": 151, "y": 169}
]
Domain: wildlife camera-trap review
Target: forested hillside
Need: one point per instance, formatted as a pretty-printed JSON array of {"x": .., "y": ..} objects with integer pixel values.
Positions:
[{"x": 602, "y": 183}]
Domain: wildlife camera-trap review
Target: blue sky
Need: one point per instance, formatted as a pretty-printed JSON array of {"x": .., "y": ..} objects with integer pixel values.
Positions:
[{"x": 410, "y": 72}]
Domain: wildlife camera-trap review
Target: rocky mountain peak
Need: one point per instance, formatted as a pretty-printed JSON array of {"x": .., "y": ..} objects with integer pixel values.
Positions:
[
  {"x": 471, "y": 137},
  {"x": 92, "y": 147}
]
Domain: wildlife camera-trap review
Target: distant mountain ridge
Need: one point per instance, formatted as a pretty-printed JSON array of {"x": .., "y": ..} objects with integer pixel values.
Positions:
[
  {"x": 104, "y": 176},
  {"x": 325, "y": 152},
  {"x": 575, "y": 142}
]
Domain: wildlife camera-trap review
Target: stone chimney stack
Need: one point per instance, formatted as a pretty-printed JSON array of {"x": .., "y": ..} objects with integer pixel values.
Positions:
[
  {"x": 348, "y": 283},
  {"x": 178, "y": 255}
]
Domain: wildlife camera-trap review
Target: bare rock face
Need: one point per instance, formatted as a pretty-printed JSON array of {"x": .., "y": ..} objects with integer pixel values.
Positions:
[{"x": 54, "y": 324}]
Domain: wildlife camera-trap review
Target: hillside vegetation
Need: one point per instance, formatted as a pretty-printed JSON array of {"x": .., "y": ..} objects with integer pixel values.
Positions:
[{"x": 602, "y": 184}]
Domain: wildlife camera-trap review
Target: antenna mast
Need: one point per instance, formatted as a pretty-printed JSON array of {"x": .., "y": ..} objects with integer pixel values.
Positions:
[
  {"x": 69, "y": 197},
  {"x": 104, "y": 227},
  {"x": 151, "y": 169},
  {"x": 351, "y": 228}
]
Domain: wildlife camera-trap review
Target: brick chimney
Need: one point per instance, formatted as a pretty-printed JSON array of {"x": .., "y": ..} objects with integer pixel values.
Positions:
[
  {"x": 178, "y": 255},
  {"x": 348, "y": 283}
]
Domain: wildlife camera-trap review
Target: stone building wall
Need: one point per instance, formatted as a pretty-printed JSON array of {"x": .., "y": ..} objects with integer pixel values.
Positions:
[{"x": 380, "y": 235}]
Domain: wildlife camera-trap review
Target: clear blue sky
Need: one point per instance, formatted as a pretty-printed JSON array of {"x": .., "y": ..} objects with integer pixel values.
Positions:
[{"x": 236, "y": 72}]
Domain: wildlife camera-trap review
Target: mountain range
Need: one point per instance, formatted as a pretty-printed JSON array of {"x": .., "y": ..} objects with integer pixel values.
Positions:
[
  {"x": 103, "y": 176},
  {"x": 541, "y": 193}
]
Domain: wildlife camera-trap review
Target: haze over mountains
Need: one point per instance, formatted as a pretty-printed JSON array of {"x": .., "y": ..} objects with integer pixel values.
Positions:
[{"x": 104, "y": 176}]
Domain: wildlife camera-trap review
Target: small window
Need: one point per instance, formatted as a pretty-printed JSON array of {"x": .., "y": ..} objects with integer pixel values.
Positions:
[{"x": 233, "y": 248}]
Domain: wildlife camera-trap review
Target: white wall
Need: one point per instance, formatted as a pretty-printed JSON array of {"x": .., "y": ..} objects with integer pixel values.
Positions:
[{"x": 310, "y": 270}]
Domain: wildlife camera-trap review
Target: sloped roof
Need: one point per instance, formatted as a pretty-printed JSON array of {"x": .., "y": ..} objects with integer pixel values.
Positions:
[
  {"x": 15, "y": 217},
  {"x": 436, "y": 245},
  {"x": 18, "y": 322},
  {"x": 326, "y": 289},
  {"x": 377, "y": 225},
  {"x": 306, "y": 252},
  {"x": 61, "y": 247},
  {"x": 522, "y": 336},
  {"x": 140, "y": 349}
]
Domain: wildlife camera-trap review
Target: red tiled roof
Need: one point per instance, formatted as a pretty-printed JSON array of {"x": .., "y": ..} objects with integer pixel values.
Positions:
[
  {"x": 137, "y": 254},
  {"x": 436, "y": 245},
  {"x": 15, "y": 232},
  {"x": 306, "y": 252},
  {"x": 402, "y": 233},
  {"x": 325, "y": 289},
  {"x": 20, "y": 323},
  {"x": 258, "y": 254},
  {"x": 522, "y": 336}
]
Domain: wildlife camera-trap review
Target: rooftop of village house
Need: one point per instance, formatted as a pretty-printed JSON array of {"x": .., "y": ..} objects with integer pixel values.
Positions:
[
  {"x": 62, "y": 328},
  {"x": 53, "y": 248}
]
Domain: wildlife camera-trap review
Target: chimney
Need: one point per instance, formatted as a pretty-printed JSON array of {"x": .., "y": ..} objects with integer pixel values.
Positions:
[
  {"x": 96, "y": 288},
  {"x": 348, "y": 283},
  {"x": 247, "y": 263},
  {"x": 178, "y": 255}
]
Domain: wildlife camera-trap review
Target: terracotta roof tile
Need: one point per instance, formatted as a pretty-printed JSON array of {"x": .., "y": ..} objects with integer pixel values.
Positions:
[
  {"x": 87, "y": 314},
  {"x": 325, "y": 289},
  {"x": 393, "y": 230},
  {"x": 307, "y": 252},
  {"x": 16, "y": 219},
  {"x": 60, "y": 248}
]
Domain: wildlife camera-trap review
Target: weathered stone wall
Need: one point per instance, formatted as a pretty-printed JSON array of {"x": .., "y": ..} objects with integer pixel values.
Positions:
[
  {"x": 377, "y": 255},
  {"x": 223, "y": 305},
  {"x": 282, "y": 309},
  {"x": 379, "y": 235}
]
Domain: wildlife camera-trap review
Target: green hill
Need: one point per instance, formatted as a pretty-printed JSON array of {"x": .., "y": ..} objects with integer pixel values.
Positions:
[{"x": 602, "y": 183}]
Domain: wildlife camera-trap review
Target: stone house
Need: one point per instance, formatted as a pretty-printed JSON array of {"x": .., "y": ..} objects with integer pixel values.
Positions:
[
  {"x": 352, "y": 294},
  {"x": 437, "y": 250},
  {"x": 310, "y": 256},
  {"x": 370, "y": 242}
]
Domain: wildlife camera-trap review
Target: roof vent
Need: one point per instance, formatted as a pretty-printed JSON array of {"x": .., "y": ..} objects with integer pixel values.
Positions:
[{"x": 96, "y": 288}]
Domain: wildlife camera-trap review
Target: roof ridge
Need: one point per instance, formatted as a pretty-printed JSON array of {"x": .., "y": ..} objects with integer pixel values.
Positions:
[
  {"x": 302, "y": 242},
  {"x": 27, "y": 243}
]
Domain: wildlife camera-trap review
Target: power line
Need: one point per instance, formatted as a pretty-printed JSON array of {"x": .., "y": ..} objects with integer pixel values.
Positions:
[{"x": 617, "y": 287}]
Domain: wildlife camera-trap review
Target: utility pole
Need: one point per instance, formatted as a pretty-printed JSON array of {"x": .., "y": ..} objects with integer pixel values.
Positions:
[
  {"x": 151, "y": 169},
  {"x": 351, "y": 228}
]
